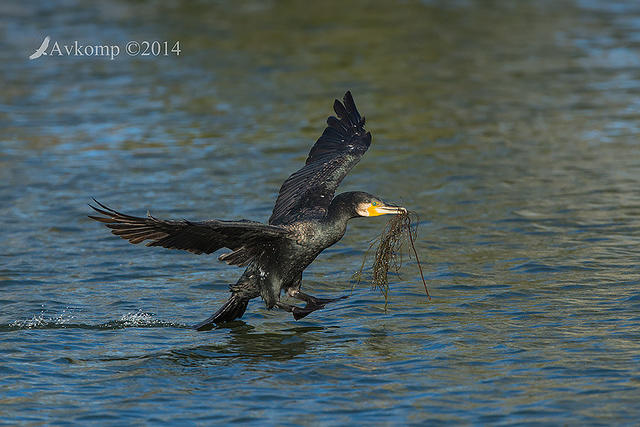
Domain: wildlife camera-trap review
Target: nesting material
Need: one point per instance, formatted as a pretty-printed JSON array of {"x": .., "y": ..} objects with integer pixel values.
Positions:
[{"x": 399, "y": 230}]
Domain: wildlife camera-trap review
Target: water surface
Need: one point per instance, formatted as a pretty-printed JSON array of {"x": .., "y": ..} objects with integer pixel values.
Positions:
[{"x": 510, "y": 127}]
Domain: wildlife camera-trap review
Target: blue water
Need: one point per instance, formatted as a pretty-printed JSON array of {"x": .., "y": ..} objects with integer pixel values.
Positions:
[{"x": 512, "y": 129}]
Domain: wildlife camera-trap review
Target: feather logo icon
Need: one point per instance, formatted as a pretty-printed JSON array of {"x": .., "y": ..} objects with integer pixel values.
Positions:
[{"x": 41, "y": 50}]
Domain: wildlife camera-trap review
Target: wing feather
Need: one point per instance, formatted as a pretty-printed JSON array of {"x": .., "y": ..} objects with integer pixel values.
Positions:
[
  {"x": 246, "y": 238},
  {"x": 341, "y": 145}
]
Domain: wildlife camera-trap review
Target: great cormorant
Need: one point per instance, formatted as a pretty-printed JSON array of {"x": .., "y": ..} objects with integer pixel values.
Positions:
[{"x": 306, "y": 220}]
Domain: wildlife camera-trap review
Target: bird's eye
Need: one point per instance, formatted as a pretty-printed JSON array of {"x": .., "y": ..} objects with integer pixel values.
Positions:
[{"x": 374, "y": 203}]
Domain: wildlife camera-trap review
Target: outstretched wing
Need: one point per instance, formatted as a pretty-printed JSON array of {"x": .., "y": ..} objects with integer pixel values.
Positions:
[
  {"x": 247, "y": 239},
  {"x": 310, "y": 190}
]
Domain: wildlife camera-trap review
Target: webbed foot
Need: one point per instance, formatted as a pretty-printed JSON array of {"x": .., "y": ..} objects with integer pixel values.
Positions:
[{"x": 312, "y": 305}]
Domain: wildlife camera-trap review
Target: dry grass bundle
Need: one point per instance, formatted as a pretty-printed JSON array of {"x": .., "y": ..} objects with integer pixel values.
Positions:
[{"x": 398, "y": 230}]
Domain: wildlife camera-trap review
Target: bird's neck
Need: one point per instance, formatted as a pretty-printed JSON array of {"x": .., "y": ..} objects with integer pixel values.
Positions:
[
  {"x": 339, "y": 213},
  {"x": 334, "y": 224}
]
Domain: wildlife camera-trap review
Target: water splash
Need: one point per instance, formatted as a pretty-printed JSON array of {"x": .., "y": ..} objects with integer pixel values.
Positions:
[
  {"x": 136, "y": 319},
  {"x": 40, "y": 321},
  {"x": 142, "y": 319}
]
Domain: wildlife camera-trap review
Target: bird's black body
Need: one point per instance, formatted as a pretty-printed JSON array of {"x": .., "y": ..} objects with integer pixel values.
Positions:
[{"x": 306, "y": 219}]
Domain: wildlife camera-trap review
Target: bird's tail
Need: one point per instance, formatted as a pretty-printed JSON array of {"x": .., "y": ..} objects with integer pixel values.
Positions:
[{"x": 233, "y": 309}]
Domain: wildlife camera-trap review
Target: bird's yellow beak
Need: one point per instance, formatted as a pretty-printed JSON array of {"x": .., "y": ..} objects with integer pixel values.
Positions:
[{"x": 384, "y": 210}]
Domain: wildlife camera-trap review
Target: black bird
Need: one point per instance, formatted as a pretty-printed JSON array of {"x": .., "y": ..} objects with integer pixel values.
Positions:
[{"x": 306, "y": 220}]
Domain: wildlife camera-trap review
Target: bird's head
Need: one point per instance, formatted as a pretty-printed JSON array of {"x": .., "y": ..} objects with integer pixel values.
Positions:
[{"x": 365, "y": 204}]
